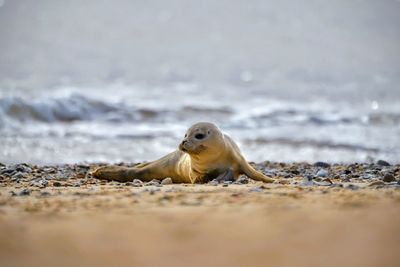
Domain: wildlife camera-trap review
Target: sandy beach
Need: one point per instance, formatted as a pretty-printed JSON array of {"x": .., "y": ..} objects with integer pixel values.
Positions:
[{"x": 343, "y": 215}]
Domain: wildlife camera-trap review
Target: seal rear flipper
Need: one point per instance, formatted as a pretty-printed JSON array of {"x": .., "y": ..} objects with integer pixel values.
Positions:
[
  {"x": 252, "y": 173},
  {"x": 112, "y": 173}
]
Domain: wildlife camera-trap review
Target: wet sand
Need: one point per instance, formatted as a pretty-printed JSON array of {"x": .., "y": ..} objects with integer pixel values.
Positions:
[{"x": 58, "y": 216}]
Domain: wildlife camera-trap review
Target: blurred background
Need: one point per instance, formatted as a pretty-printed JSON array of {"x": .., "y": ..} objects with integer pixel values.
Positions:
[{"x": 96, "y": 80}]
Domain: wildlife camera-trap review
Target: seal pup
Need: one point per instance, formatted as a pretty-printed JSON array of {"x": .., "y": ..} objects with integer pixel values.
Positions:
[{"x": 204, "y": 154}]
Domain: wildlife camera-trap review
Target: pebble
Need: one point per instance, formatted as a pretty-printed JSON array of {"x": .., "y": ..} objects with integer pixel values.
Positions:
[
  {"x": 383, "y": 163},
  {"x": 352, "y": 187},
  {"x": 57, "y": 184},
  {"x": 45, "y": 194},
  {"x": 25, "y": 192},
  {"x": 242, "y": 180},
  {"x": 19, "y": 175},
  {"x": 214, "y": 182},
  {"x": 154, "y": 182},
  {"x": 389, "y": 178},
  {"x": 376, "y": 183},
  {"x": 322, "y": 164},
  {"x": 322, "y": 173},
  {"x": 40, "y": 183},
  {"x": 166, "y": 181}
]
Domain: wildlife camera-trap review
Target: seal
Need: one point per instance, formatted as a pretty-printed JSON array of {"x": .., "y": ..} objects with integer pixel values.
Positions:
[{"x": 204, "y": 154}]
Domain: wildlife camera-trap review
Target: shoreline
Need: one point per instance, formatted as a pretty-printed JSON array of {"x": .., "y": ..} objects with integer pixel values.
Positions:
[{"x": 314, "y": 215}]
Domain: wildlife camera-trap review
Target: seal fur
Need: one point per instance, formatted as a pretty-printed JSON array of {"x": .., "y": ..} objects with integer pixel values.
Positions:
[{"x": 204, "y": 154}]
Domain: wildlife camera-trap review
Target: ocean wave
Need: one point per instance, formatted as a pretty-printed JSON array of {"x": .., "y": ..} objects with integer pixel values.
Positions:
[
  {"x": 77, "y": 107},
  {"x": 66, "y": 109}
]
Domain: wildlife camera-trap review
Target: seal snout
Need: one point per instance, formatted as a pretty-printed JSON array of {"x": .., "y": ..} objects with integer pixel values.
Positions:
[{"x": 182, "y": 146}]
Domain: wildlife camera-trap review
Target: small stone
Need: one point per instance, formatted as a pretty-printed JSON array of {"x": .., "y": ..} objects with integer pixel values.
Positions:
[
  {"x": 18, "y": 176},
  {"x": 154, "y": 182},
  {"x": 8, "y": 172},
  {"x": 322, "y": 173},
  {"x": 166, "y": 181},
  {"x": 214, "y": 182},
  {"x": 25, "y": 192},
  {"x": 45, "y": 194},
  {"x": 40, "y": 183},
  {"x": 347, "y": 172},
  {"x": 137, "y": 181},
  {"x": 243, "y": 180},
  {"x": 352, "y": 187},
  {"x": 376, "y": 183},
  {"x": 383, "y": 163},
  {"x": 388, "y": 178},
  {"x": 57, "y": 184},
  {"x": 322, "y": 164}
]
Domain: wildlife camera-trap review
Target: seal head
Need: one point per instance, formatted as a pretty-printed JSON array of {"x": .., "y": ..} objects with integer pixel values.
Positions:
[{"x": 202, "y": 137}]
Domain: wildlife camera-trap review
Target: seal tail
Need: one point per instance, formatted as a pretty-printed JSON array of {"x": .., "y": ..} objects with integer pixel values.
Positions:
[{"x": 252, "y": 173}]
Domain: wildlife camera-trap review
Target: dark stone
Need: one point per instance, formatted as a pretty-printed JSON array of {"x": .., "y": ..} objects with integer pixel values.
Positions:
[
  {"x": 295, "y": 172},
  {"x": 346, "y": 172},
  {"x": 352, "y": 187},
  {"x": 383, "y": 163},
  {"x": 45, "y": 194},
  {"x": 389, "y": 178},
  {"x": 242, "y": 180},
  {"x": 57, "y": 184},
  {"x": 321, "y": 164},
  {"x": 25, "y": 192}
]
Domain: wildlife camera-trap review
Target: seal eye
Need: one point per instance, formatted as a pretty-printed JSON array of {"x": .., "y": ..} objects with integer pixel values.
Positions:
[{"x": 199, "y": 136}]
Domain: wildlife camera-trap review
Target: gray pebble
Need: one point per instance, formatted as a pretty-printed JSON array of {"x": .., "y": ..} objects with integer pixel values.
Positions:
[
  {"x": 322, "y": 173},
  {"x": 40, "y": 182},
  {"x": 213, "y": 182},
  {"x": 25, "y": 192},
  {"x": 18, "y": 175},
  {"x": 166, "y": 181}
]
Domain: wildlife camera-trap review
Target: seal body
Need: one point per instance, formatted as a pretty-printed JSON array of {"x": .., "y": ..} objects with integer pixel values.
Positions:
[{"x": 204, "y": 154}]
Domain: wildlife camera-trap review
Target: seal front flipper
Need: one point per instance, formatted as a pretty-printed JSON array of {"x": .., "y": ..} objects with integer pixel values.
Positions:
[{"x": 250, "y": 172}]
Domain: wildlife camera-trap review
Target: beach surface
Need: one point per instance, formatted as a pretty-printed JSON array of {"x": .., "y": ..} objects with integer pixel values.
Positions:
[{"x": 313, "y": 215}]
